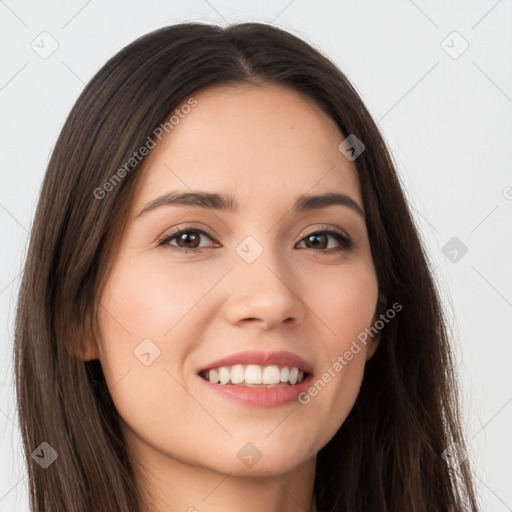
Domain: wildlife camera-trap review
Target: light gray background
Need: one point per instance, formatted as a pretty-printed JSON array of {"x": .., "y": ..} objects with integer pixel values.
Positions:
[{"x": 448, "y": 123}]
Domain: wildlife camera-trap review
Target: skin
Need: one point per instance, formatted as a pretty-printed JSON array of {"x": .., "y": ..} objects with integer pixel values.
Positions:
[{"x": 265, "y": 146}]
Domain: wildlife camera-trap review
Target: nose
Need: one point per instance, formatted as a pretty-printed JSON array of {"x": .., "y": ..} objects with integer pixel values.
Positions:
[{"x": 264, "y": 294}]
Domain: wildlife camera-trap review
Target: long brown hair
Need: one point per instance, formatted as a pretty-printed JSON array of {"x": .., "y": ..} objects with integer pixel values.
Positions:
[{"x": 388, "y": 454}]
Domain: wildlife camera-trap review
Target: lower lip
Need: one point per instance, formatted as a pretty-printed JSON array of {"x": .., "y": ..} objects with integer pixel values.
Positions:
[{"x": 260, "y": 397}]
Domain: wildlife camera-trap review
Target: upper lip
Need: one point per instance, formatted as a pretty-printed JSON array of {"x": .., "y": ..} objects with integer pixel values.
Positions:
[{"x": 279, "y": 358}]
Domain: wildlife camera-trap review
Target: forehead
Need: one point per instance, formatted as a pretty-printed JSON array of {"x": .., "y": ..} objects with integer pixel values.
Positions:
[{"x": 250, "y": 141}]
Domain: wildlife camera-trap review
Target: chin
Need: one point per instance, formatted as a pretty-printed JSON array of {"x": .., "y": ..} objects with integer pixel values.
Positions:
[
  {"x": 261, "y": 456},
  {"x": 273, "y": 465}
]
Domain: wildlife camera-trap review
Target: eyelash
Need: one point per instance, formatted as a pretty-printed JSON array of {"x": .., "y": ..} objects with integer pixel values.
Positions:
[{"x": 345, "y": 241}]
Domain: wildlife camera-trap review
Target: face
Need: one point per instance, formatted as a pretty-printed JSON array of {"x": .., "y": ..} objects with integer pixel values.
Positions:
[{"x": 266, "y": 284}]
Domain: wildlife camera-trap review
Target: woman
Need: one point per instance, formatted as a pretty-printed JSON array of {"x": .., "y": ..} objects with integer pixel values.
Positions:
[{"x": 226, "y": 304}]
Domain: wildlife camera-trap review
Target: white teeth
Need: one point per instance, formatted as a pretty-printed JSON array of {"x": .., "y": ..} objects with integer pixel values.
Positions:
[
  {"x": 253, "y": 375},
  {"x": 213, "y": 376},
  {"x": 224, "y": 375},
  {"x": 271, "y": 375},
  {"x": 237, "y": 374}
]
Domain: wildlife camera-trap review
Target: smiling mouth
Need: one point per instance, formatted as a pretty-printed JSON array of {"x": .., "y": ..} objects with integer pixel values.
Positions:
[{"x": 255, "y": 376}]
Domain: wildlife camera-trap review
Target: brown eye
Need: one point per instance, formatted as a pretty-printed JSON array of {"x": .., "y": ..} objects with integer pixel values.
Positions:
[
  {"x": 320, "y": 240},
  {"x": 186, "y": 238}
]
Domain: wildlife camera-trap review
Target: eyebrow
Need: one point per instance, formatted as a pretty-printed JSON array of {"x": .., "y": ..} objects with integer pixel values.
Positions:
[{"x": 214, "y": 201}]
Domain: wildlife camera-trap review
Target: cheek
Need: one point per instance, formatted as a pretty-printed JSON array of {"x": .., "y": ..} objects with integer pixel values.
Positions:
[
  {"x": 150, "y": 321},
  {"x": 345, "y": 305},
  {"x": 155, "y": 299},
  {"x": 142, "y": 301},
  {"x": 344, "y": 301}
]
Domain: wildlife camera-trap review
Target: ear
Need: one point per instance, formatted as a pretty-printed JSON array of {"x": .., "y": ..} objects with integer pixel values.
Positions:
[
  {"x": 89, "y": 351},
  {"x": 374, "y": 342},
  {"x": 88, "y": 346}
]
